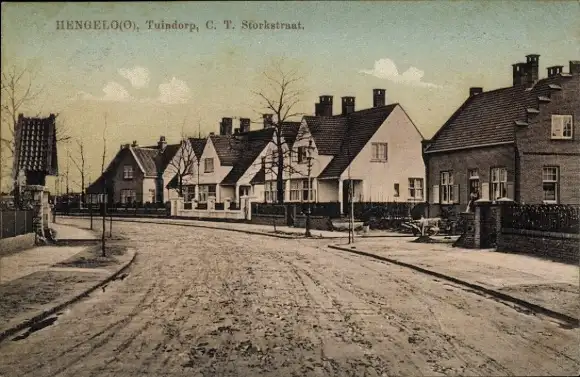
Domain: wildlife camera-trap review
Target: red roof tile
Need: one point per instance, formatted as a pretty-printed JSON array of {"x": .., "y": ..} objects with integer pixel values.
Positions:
[{"x": 35, "y": 145}]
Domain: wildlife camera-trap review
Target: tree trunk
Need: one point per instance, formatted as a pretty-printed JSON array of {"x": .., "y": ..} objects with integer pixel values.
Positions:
[
  {"x": 280, "y": 171},
  {"x": 180, "y": 185}
]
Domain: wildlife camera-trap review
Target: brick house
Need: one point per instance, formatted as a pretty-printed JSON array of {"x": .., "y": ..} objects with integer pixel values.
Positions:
[
  {"x": 136, "y": 174},
  {"x": 519, "y": 142}
]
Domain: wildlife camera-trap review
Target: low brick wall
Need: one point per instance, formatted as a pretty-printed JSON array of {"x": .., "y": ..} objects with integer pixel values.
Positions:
[
  {"x": 316, "y": 222},
  {"x": 467, "y": 238},
  {"x": 13, "y": 244},
  {"x": 560, "y": 247},
  {"x": 268, "y": 220}
]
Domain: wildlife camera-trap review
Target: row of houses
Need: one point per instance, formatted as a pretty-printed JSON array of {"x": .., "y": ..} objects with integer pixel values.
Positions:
[{"x": 518, "y": 142}]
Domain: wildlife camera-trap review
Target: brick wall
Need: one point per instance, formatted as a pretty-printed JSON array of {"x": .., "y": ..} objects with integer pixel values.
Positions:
[
  {"x": 537, "y": 149},
  {"x": 460, "y": 162},
  {"x": 467, "y": 238},
  {"x": 562, "y": 248}
]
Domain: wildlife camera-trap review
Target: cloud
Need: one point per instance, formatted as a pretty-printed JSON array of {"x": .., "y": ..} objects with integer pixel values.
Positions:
[
  {"x": 138, "y": 76},
  {"x": 387, "y": 69},
  {"x": 173, "y": 92},
  {"x": 113, "y": 91}
]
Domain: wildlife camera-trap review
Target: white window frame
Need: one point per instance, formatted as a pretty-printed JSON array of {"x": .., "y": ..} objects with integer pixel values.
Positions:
[
  {"x": 128, "y": 172},
  {"x": 446, "y": 187},
  {"x": 302, "y": 155},
  {"x": 128, "y": 193},
  {"x": 152, "y": 196},
  {"x": 299, "y": 191},
  {"x": 205, "y": 192},
  {"x": 473, "y": 175},
  {"x": 271, "y": 191},
  {"x": 416, "y": 188},
  {"x": 396, "y": 190},
  {"x": 208, "y": 166},
  {"x": 562, "y": 127},
  {"x": 551, "y": 175},
  {"x": 380, "y": 152},
  {"x": 498, "y": 183}
]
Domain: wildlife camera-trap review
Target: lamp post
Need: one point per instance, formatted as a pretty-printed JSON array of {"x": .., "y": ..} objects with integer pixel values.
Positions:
[{"x": 309, "y": 210}]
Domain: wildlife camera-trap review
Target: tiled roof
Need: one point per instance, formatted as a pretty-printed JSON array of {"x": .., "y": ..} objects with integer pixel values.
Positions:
[
  {"x": 35, "y": 145},
  {"x": 167, "y": 155},
  {"x": 488, "y": 118},
  {"x": 356, "y": 129},
  {"x": 260, "y": 177},
  {"x": 328, "y": 132},
  {"x": 290, "y": 132},
  {"x": 173, "y": 183},
  {"x": 198, "y": 145},
  {"x": 245, "y": 148},
  {"x": 147, "y": 159}
]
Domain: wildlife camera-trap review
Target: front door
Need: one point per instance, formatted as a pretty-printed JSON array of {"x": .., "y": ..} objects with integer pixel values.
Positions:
[
  {"x": 345, "y": 196},
  {"x": 243, "y": 191}
]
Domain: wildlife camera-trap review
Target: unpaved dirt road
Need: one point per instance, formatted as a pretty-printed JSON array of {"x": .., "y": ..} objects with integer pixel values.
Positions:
[{"x": 200, "y": 302}]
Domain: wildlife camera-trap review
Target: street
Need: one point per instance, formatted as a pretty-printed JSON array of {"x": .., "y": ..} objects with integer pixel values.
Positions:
[{"x": 203, "y": 302}]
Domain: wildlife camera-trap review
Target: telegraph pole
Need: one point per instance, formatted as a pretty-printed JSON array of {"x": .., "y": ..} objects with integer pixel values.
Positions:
[{"x": 309, "y": 210}]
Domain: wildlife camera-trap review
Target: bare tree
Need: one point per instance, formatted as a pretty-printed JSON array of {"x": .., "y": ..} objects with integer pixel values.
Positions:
[
  {"x": 280, "y": 97},
  {"x": 183, "y": 162},
  {"x": 80, "y": 164},
  {"x": 17, "y": 95},
  {"x": 104, "y": 146}
]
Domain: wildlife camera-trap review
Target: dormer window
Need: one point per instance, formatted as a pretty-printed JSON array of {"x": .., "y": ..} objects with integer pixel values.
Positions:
[
  {"x": 302, "y": 155},
  {"x": 562, "y": 126},
  {"x": 208, "y": 165}
]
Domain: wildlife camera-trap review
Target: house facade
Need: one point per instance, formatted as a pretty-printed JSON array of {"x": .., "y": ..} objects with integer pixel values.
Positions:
[
  {"x": 376, "y": 152},
  {"x": 135, "y": 175},
  {"x": 519, "y": 142}
]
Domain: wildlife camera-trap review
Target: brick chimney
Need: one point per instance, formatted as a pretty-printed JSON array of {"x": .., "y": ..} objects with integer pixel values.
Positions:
[
  {"x": 533, "y": 62},
  {"x": 268, "y": 120},
  {"x": 325, "y": 103},
  {"x": 379, "y": 97},
  {"x": 135, "y": 144},
  {"x": 475, "y": 91},
  {"x": 347, "y": 105},
  {"x": 161, "y": 144},
  {"x": 575, "y": 67},
  {"x": 555, "y": 70},
  {"x": 520, "y": 73},
  {"x": 226, "y": 126},
  {"x": 245, "y": 125},
  {"x": 317, "y": 109}
]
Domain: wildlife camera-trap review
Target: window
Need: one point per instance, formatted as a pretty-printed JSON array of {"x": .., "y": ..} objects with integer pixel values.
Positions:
[
  {"x": 127, "y": 172},
  {"x": 302, "y": 155},
  {"x": 550, "y": 177},
  {"x": 152, "y": 196},
  {"x": 396, "y": 189},
  {"x": 271, "y": 191},
  {"x": 208, "y": 165},
  {"x": 473, "y": 181},
  {"x": 498, "y": 183},
  {"x": 416, "y": 188},
  {"x": 128, "y": 196},
  {"x": 561, "y": 126},
  {"x": 299, "y": 191},
  {"x": 205, "y": 191},
  {"x": 446, "y": 187},
  {"x": 380, "y": 151},
  {"x": 188, "y": 193}
]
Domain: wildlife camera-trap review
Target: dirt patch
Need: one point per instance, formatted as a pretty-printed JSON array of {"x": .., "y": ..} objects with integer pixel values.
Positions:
[
  {"x": 564, "y": 298},
  {"x": 92, "y": 257},
  {"x": 31, "y": 292}
]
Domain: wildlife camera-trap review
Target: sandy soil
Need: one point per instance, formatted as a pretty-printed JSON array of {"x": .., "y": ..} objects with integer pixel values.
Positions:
[{"x": 201, "y": 302}]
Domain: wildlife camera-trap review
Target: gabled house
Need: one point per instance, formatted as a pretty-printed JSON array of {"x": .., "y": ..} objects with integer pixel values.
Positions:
[
  {"x": 376, "y": 152},
  {"x": 184, "y": 166},
  {"x": 136, "y": 174},
  {"x": 231, "y": 163},
  {"x": 520, "y": 142}
]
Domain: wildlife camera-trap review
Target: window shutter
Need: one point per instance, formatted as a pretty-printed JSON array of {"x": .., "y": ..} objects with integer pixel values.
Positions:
[
  {"x": 456, "y": 194},
  {"x": 557, "y": 126},
  {"x": 510, "y": 190},
  {"x": 435, "y": 193},
  {"x": 485, "y": 191}
]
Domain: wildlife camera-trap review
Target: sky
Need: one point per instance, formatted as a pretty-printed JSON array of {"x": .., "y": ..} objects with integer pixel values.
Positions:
[{"x": 143, "y": 83}]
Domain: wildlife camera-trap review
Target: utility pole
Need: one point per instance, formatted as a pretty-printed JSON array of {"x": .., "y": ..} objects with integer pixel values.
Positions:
[
  {"x": 309, "y": 210},
  {"x": 104, "y": 201}
]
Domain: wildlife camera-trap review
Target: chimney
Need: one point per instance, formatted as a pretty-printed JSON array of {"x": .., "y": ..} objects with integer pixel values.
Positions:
[
  {"x": 126, "y": 146},
  {"x": 533, "y": 62},
  {"x": 161, "y": 144},
  {"x": 134, "y": 144},
  {"x": 379, "y": 97},
  {"x": 555, "y": 70},
  {"x": 317, "y": 109},
  {"x": 236, "y": 131},
  {"x": 245, "y": 125},
  {"x": 211, "y": 133},
  {"x": 325, "y": 104},
  {"x": 575, "y": 67},
  {"x": 475, "y": 91},
  {"x": 519, "y": 73},
  {"x": 267, "y": 120},
  {"x": 347, "y": 105},
  {"x": 226, "y": 126}
]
